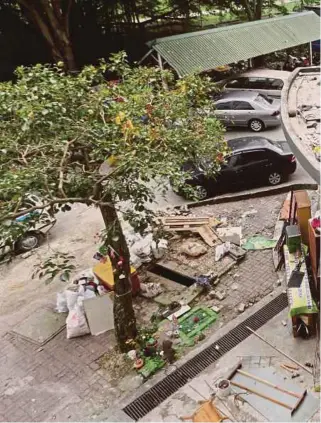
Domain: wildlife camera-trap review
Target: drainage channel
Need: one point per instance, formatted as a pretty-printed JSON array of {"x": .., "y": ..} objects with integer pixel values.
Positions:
[
  {"x": 173, "y": 275},
  {"x": 178, "y": 378}
]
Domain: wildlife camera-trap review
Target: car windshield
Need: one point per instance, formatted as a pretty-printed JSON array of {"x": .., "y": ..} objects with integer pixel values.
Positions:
[{"x": 262, "y": 99}]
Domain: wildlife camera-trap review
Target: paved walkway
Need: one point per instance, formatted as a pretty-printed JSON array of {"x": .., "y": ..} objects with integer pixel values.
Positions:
[{"x": 62, "y": 380}]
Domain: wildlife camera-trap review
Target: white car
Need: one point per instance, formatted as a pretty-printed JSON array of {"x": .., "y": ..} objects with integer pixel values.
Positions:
[
  {"x": 264, "y": 81},
  {"x": 33, "y": 236}
]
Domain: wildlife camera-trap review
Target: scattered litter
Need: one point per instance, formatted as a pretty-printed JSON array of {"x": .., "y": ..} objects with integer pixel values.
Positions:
[
  {"x": 184, "y": 309},
  {"x": 249, "y": 213},
  {"x": 204, "y": 282},
  {"x": 27, "y": 254},
  {"x": 150, "y": 290},
  {"x": 212, "y": 294},
  {"x": 278, "y": 282},
  {"x": 217, "y": 347},
  {"x": 215, "y": 308},
  {"x": 295, "y": 375},
  {"x": 241, "y": 308},
  {"x": 159, "y": 248},
  {"x": 235, "y": 287},
  {"x": 236, "y": 252},
  {"x": 132, "y": 355},
  {"x": 231, "y": 234},
  {"x": 308, "y": 364},
  {"x": 219, "y": 295},
  {"x": 142, "y": 248},
  {"x": 284, "y": 323},
  {"x": 221, "y": 250},
  {"x": 259, "y": 242},
  {"x": 193, "y": 249}
]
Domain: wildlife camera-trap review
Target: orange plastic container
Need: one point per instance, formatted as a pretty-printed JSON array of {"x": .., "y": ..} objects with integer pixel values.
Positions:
[{"x": 104, "y": 273}]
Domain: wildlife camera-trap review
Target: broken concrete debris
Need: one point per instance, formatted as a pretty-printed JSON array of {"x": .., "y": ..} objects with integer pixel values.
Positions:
[
  {"x": 241, "y": 308},
  {"x": 150, "y": 290},
  {"x": 215, "y": 308},
  {"x": 193, "y": 249},
  {"x": 219, "y": 295}
]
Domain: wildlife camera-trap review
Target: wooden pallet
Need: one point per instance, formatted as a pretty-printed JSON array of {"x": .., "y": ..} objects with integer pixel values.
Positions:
[
  {"x": 182, "y": 223},
  {"x": 208, "y": 235},
  {"x": 200, "y": 225}
]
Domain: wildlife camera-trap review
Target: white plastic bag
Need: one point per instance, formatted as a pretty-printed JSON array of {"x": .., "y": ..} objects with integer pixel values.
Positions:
[
  {"x": 159, "y": 248},
  {"x": 76, "y": 323},
  {"x": 61, "y": 302},
  {"x": 71, "y": 298}
]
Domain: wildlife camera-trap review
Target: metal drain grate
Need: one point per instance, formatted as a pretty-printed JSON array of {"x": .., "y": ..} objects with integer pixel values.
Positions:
[{"x": 178, "y": 378}]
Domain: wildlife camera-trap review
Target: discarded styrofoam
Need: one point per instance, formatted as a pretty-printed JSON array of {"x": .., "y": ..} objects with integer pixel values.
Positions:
[
  {"x": 184, "y": 309},
  {"x": 231, "y": 234},
  {"x": 221, "y": 250},
  {"x": 100, "y": 315}
]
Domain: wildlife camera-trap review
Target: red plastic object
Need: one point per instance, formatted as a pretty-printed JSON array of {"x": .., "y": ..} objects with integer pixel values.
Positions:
[
  {"x": 134, "y": 279},
  {"x": 315, "y": 223}
]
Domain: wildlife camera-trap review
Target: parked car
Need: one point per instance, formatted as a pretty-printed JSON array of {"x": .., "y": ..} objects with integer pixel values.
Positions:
[
  {"x": 33, "y": 236},
  {"x": 252, "y": 161},
  {"x": 264, "y": 81},
  {"x": 247, "y": 108}
]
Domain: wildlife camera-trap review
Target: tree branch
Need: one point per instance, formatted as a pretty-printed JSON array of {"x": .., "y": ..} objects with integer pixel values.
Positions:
[
  {"x": 52, "y": 203},
  {"x": 61, "y": 169},
  {"x": 42, "y": 25}
]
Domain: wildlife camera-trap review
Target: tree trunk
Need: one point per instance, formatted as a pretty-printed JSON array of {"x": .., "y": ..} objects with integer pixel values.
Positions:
[
  {"x": 54, "y": 27},
  {"x": 258, "y": 10},
  {"x": 124, "y": 316},
  {"x": 248, "y": 10}
]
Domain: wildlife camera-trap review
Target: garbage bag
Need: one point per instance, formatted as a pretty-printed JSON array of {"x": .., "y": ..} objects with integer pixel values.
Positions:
[
  {"x": 76, "y": 322},
  {"x": 61, "y": 306}
]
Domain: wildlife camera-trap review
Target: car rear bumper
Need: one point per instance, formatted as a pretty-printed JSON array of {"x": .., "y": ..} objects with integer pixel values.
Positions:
[{"x": 272, "y": 121}]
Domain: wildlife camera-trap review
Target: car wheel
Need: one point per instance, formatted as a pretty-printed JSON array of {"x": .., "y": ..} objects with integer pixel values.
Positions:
[
  {"x": 201, "y": 192},
  {"x": 275, "y": 178},
  {"x": 28, "y": 242},
  {"x": 256, "y": 125}
]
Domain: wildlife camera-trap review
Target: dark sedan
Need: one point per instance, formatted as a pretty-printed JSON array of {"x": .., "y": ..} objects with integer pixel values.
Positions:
[{"x": 252, "y": 161}]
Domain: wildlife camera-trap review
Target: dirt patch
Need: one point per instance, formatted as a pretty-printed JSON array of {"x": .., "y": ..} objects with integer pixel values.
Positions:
[{"x": 115, "y": 365}]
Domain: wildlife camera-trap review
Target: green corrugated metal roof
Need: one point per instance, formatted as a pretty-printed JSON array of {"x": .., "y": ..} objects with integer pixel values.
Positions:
[{"x": 204, "y": 50}]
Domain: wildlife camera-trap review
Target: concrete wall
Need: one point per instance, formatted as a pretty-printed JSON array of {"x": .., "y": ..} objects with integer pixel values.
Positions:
[{"x": 292, "y": 130}]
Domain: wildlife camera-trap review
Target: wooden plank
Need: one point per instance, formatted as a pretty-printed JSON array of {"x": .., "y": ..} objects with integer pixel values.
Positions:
[
  {"x": 208, "y": 235},
  {"x": 181, "y": 229}
]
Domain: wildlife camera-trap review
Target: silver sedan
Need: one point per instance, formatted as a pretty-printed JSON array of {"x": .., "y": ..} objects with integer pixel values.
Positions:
[{"x": 249, "y": 109}]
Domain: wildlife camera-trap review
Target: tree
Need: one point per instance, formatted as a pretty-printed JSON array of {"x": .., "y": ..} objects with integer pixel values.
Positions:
[
  {"x": 51, "y": 17},
  {"x": 76, "y": 139},
  {"x": 252, "y": 10}
]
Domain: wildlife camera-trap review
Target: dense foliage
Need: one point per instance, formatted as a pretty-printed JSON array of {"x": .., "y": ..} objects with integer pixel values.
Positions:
[
  {"x": 80, "y": 31},
  {"x": 78, "y": 139}
]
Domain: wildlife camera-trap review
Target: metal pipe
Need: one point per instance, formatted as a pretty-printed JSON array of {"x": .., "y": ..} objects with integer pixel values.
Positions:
[{"x": 310, "y": 51}]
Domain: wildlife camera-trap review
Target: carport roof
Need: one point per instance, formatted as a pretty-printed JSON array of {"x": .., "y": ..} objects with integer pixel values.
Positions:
[{"x": 205, "y": 50}]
